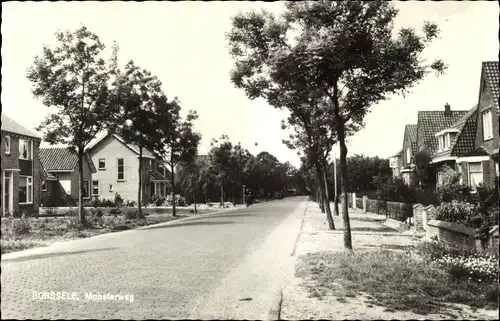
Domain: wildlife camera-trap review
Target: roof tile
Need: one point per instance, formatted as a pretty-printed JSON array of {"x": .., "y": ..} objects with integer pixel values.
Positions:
[
  {"x": 9, "y": 125},
  {"x": 491, "y": 76},
  {"x": 61, "y": 159},
  {"x": 431, "y": 122}
]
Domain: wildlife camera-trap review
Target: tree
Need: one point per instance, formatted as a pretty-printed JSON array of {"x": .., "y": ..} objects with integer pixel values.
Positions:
[
  {"x": 74, "y": 79},
  {"x": 220, "y": 158},
  {"x": 177, "y": 141},
  {"x": 344, "y": 50},
  {"x": 189, "y": 177},
  {"x": 139, "y": 95}
]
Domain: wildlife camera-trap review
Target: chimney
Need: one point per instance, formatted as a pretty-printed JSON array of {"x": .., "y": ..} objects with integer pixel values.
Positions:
[{"x": 447, "y": 111}]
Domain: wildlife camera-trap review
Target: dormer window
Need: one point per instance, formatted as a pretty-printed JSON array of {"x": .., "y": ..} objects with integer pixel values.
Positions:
[{"x": 445, "y": 138}]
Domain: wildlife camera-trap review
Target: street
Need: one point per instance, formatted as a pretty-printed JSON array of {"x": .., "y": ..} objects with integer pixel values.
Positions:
[{"x": 223, "y": 265}]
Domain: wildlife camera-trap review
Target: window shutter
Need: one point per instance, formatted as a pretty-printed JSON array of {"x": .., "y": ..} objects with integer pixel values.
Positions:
[
  {"x": 486, "y": 173},
  {"x": 465, "y": 174}
]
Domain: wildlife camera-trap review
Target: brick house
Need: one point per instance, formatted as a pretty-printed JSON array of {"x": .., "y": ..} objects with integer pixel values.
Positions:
[
  {"x": 472, "y": 143},
  {"x": 481, "y": 164},
  {"x": 62, "y": 176},
  {"x": 432, "y": 124},
  {"x": 118, "y": 170},
  {"x": 20, "y": 182},
  {"x": 454, "y": 143}
]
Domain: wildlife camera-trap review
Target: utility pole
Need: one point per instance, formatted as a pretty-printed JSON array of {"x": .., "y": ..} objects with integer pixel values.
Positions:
[{"x": 243, "y": 195}]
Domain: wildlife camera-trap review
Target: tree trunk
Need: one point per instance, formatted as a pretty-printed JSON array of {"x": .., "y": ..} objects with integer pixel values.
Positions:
[
  {"x": 139, "y": 196},
  {"x": 343, "y": 173},
  {"x": 172, "y": 181},
  {"x": 321, "y": 200},
  {"x": 222, "y": 193},
  {"x": 194, "y": 201},
  {"x": 81, "y": 211},
  {"x": 331, "y": 224}
]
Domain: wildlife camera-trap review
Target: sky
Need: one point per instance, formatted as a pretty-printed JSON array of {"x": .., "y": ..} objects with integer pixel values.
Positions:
[{"x": 184, "y": 44}]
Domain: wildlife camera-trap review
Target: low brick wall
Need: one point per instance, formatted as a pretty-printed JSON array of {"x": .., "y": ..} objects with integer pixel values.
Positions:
[{"x": 451, "y": 233}]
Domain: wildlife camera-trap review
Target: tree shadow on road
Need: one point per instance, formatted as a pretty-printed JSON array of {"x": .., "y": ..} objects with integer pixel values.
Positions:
[
  {"x": 188, "y": 223},
  {"x": 54, "y": 254}
]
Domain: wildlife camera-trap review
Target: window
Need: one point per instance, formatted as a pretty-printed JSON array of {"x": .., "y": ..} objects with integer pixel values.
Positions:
[
  {"x": 121, "y": 169},
  {"x": 475, "y": 174},
  {"x": 86, "y": 189},
  {"x": 487, "y": 125},
  {"x": 102, "y": 163},
  {"x": 496, "y": 169},
  {"x": 447, "y": 142},
  {"x": 408, "y": 155},
  {"x": 95, "y": 187},
  {"x": 164, "y": 171},
  {"x": 439, "y": 178},
  {"x": 392, "y": 162},
  {"x": 44, "y": 186},
  {"x": 25, "y": 189},
  {"x": 7, "y": 144},
  {"x": 110, "y": 187},
  {"x": 442, "y": 141},
  {"x": 25, "y": 149}
]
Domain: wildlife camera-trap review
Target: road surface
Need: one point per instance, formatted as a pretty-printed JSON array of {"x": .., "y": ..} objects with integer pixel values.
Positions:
[{"x": 219, "y": 266}]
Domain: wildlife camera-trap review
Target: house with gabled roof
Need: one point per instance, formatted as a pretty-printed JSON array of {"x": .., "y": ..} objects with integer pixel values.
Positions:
[
  {"x": 433, "y": 122},
  {"x": 473, "y": 141},
  {"x": 20, "y": 179},
  {"x": 118, "y": 170},
  {"x": 62, "y": 177},
  {"x": 484, "y": 158},
  {"x": 454, "y": 142}
]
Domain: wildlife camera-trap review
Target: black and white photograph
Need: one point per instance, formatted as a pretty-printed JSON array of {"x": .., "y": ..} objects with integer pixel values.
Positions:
[{"x": 250, "y": 160}]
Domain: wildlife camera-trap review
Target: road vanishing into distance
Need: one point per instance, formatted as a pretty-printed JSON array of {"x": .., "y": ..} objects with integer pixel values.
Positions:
[{"x": 227, "y": 265}]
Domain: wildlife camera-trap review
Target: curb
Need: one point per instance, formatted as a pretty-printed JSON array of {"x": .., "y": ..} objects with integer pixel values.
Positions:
[
  {"x": 55, "y": 245},
  {"x": 277, "y": 302}
]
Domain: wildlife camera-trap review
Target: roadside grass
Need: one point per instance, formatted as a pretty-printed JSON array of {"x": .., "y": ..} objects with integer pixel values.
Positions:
[
  {"x": 24, "y": 233},
  {"x": 396, "y": 280}
]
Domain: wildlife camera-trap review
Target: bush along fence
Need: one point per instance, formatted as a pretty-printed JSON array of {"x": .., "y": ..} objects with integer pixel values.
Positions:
[{"x": 433, "y": 223}]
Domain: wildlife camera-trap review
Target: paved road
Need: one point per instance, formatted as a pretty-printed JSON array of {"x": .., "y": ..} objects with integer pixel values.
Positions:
[{"x": 224, "y": 265}]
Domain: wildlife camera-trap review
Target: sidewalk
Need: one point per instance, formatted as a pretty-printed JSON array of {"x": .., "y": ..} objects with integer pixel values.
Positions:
[{"x": 368, "y": 233}]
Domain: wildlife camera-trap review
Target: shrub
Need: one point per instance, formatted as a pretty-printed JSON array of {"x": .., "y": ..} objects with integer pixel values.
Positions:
[
  {"x": 129, "y": 203},
  {"x": 130, "y": 214},
  {"x": 451, "y": 189},
  {"x": 461, "y": 262},
  {"x": 456, "y": 212},
  {"x": 115, "y": 211},
  {"x": 157, "y": 200},
  {"x": 118, "y": 200},
  {"x": 21, "y": 226},
  {"x": 474, "y": 268},
  {"x": 394, "y": 189}
]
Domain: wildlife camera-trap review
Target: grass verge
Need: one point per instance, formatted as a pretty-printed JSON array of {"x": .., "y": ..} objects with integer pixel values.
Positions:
[
  {"x": 24, "y": 233},
  {"x": 396, "y": 280}
]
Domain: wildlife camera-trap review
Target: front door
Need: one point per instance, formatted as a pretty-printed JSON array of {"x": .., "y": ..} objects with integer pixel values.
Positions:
[{"x": 7, "y": 193}]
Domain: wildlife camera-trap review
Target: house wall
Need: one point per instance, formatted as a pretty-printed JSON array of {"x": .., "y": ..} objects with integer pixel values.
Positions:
[
  {"x": 406, "y": 144},
  {"x": 31, "y": 167},
  {"x": 485, "y": 103},
  {"x": 111, "y": 149},
  {"x": 75, "y": 181}
]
